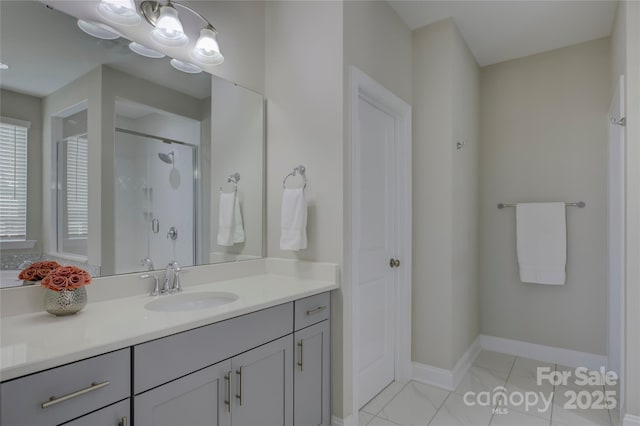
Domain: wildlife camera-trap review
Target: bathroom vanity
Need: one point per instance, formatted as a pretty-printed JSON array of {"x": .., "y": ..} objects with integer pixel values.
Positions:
[{"x": 263, "y": 359}]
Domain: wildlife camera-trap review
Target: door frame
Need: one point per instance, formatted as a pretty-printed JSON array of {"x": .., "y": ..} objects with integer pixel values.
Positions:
[{"x": 363, "y": 86}]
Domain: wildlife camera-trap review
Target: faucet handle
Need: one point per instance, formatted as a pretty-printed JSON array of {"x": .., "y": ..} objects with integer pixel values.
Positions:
[
  {"x": 176, "y": 281},
  {"x": 156, "y": 286}
]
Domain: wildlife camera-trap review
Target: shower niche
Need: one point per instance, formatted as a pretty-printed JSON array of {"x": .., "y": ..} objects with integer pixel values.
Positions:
[{"x": 156, "y": 188}]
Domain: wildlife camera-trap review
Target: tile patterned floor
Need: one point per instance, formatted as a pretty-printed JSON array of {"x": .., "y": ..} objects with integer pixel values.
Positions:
[{"x": 416, "y": 403}]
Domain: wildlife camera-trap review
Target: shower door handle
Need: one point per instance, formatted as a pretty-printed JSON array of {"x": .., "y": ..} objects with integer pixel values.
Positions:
[{"x": 155, "y": 226}]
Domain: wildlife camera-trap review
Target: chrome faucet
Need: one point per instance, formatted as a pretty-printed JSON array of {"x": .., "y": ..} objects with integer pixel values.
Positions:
[
  {"x": 175, "y": 285},
  {"x": 24, "y": 264},
  {"x": 148, "y": 263}
]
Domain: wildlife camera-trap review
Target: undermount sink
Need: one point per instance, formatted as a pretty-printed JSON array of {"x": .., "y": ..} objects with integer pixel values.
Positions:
[{"x": 190, "y": 301}]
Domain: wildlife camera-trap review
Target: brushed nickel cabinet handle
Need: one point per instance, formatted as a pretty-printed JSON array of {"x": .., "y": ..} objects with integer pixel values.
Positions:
[
  {"x": 123, "y": 421},
  {"x": 239, "y": 394},
  {"x": 316, "y": 310},
  {"x": 53, "y": 400},
  {"x": 227, "y": 402},
  {"x": 300, "y": 363}
]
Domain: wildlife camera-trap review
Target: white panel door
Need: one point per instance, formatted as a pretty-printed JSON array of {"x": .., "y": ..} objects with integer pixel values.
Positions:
[{"x": 374, "y": 248}]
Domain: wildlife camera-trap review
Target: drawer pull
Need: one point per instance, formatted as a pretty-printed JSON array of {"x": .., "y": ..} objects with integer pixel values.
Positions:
[
  {"x": 316, "y": 310},
  {"x": 94, "y": 386},
  {"x": 123, "y": 422}
]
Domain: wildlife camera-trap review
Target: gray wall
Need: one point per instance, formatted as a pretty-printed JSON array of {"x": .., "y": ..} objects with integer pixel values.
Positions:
[
  {"x": 544, "y": 138},
  {"x": 445, "y": 196}
]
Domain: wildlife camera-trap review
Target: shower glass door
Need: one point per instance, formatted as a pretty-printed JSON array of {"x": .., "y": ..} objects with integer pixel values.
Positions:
[{"x": 155, "y": 197}]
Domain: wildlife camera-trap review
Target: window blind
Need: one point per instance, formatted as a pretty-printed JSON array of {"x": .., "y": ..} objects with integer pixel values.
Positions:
[
  {"x": 77, "y": 187},
  {"x": 13, "y": 181}
]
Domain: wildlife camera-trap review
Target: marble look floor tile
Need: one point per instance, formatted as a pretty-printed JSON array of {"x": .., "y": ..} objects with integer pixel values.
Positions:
[
  {"x": 456, "y": 412},
  {"x": 379, "y": 421},
  {"x": 562, "y": 417},
  {"x": 516, "y": 418},
  {"x": 383, "y": 398},
  {"x": 525, "y": 367},
  {"x": 574, "y": 382},
  {"x": 566, "y": 415},
  {"x": 364, "y": 418},
  {"x": 480, "y": 379},
  {"x": 414, "y": 405},
  {"x": 494, "y": 361},
  {"x": 536, "y": 400}
]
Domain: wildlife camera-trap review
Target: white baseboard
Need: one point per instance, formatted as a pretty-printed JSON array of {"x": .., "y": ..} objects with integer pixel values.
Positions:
[
  {"x": 630, "y": 420},
  {"x": 447, "y": 379},
  {"x": 337, "y": 421},
  {"x": 550, "y": 354}
]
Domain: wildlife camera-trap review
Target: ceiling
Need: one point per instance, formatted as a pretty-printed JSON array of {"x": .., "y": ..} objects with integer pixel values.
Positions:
[{"x": 497, "y": 31}]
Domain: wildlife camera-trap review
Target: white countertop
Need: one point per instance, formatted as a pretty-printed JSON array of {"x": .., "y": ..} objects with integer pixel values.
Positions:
[{"x": 36, "y": 341}]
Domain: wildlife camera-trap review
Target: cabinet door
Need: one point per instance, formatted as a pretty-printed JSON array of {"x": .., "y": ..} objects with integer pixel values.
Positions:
[
  {"x": 264, "y": 385},
  {"x": 198, "y": 399},
  {"x": 117, "y": 414},
  {"x": 312, "y": 375}
]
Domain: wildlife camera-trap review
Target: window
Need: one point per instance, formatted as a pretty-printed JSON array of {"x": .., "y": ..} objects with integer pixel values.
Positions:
[
  {"x": 77, "y": 202},
  {"x": 13, "y": 179}
]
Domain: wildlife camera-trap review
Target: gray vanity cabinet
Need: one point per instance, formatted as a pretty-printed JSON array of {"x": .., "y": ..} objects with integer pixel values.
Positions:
[
  {"x": 311, "y": 377},
  {"x": 264, "y": 385},
  {"x": 312, "y": 360},
  {"x": 198, "y": 399},
  {"x": 114, "y": 415}
]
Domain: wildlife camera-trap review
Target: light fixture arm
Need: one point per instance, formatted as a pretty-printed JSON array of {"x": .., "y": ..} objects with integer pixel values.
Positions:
[{"x": 150, "y": 9}]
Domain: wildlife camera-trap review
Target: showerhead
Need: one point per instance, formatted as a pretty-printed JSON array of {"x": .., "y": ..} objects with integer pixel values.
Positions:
[{"x": 167, "y": 158}]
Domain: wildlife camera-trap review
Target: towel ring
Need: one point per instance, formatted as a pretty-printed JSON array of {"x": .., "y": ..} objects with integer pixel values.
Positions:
[
  {"x": 301, "y": 170},
  {"x": 233, "y": 178}
]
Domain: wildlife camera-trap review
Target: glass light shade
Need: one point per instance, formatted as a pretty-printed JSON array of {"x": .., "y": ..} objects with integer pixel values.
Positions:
[
  {"x": 119, "y": 11},
  {"x": 168, "y": 30},
  {"x": 185, "y": 66},
  {"x": 207, "y": 49},
  {"x": 98, "y": 30},
  {"x": 4, "y": 66},
  {"x": 145, "y": 51}
]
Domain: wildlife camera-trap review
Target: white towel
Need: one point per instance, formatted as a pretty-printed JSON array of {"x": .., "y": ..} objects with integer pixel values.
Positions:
[
  {"x": 542, "y": 242},
  {"x": 230, "y": 228},
  {"x": 238, "y": 225},
  {"x": 293, "y": 220},
  {"x": 225, "y": 218}
]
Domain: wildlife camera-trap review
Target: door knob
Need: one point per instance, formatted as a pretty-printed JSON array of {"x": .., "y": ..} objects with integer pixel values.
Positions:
[{"x": 394, "y": 263}]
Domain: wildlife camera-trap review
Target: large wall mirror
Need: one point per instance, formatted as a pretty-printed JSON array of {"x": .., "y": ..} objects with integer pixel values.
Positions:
[{"x": 117, "y": 162}]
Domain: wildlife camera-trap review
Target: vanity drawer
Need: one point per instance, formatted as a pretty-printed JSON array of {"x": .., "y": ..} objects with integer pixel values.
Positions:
[
  {"x": 162, "y": 360},
  {"x": 79, "y": 388},
  {"x": 311, "y": 310}
]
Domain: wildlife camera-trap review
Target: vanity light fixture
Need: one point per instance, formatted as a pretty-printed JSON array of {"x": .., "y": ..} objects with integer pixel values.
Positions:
[
  {"x": 4, "y": 66},
  {"x": 168, "y": 30},
  {"x": 185, "y": 66},
  {"x": 119, "y": 11},
  {"x": 145, "y": 51},
  {"x": 98, "y": 30}
]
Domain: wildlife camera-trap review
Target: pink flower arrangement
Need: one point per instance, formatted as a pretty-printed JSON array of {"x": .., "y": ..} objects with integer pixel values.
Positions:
[
  {"x": 38, "y": 270},
  {"x": 66, "y": 278}
]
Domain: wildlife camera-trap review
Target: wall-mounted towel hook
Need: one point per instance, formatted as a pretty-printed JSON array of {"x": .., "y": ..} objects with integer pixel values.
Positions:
[
  {"x": 299, "y": 170},
  {"x": 233, "y": 178},
  {"x": 619, "y": 121}
]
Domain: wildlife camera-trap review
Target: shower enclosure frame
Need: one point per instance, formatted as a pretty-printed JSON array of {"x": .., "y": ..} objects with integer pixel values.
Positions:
[{"x": 196, "y": 186}]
